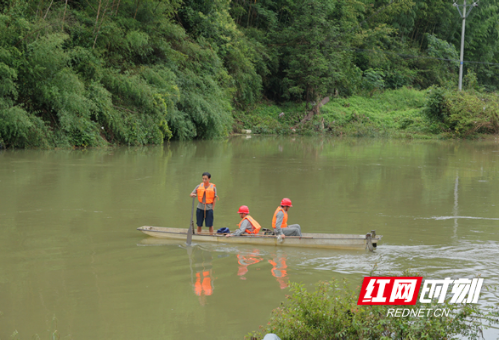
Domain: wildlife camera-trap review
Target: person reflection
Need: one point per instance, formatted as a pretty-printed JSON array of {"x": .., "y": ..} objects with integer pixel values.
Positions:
[
  {"x": 203, "y": 284},
  {"x": 247, "y": 260},
  {"x": 278, "y": 270}
]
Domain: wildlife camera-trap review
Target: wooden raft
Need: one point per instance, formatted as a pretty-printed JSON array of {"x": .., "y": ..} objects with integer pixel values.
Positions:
[{"x": 308, "y": 240}]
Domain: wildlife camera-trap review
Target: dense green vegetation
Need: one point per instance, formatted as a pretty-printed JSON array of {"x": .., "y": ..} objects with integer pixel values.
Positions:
[
  {"x": 385, "y": 113},
  {"x": 92, "y": 72},
  {"x": 331, "y": 312},
  {"x": 402, "y": 113}
]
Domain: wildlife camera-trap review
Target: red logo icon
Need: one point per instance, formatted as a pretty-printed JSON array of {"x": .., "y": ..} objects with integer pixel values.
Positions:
[{"x": 389, "y": 291}]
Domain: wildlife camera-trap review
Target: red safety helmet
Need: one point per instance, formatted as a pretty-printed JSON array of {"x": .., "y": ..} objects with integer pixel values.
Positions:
[
  {"x": 243, "y": 210},
  {"x": 286, "y": 202}
]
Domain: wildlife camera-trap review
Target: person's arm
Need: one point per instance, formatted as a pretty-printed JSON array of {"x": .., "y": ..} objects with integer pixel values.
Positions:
[
  {"x": 194, "y": 193},
  {"x": 278, "y": 221},
  {"x": 245, "y": 225}
]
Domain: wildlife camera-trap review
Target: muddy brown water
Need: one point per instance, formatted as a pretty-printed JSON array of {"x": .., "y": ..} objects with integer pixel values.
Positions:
[{"x": 72, "y": 260}]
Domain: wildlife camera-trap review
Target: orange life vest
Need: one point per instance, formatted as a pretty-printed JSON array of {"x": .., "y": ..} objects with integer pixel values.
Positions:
[
  {"x": 255, "y": 224},
  {"x": 284, "y": 223},
  {"x": 210, "y": 193}
]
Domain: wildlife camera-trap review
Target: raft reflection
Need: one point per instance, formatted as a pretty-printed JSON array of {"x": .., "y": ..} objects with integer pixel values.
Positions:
[
  {"x": 278, "y": 262},
  {"x": 201, "y": 264}
]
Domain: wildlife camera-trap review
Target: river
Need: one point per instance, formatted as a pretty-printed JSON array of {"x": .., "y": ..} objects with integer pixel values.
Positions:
[{"x": 71, "y": 258}]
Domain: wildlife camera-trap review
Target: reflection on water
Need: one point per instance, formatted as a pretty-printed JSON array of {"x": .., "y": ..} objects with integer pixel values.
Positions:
[
  {"x": 245, "y": 260},
  {"x": 203, "y": 269},
  {"x": 68, "y": 244},
  {"x": 279, "y": 267},
  {"x": 200, "y": 258}
]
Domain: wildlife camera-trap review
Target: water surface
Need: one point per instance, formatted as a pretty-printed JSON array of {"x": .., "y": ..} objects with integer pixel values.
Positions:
[{"x": 71, "y": 259}]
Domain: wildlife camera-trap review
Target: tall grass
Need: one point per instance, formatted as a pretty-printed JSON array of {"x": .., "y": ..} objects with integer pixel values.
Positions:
[
  {"x": 401, "y": 113},
  {"x": 392, "y": 112}
]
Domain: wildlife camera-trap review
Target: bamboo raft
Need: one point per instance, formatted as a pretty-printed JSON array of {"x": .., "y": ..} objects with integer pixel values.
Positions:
[{"x": 309, "y": 240}]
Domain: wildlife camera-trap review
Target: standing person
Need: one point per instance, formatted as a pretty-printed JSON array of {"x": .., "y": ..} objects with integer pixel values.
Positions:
[
  {"x": 206, "y": 193},
  {"x": 280, "y": 221},
  {"x": 248, "y": 225}
]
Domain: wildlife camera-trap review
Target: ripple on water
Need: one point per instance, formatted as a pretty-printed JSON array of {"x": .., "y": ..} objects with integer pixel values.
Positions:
[
  {"x": 464, "y": 260},
  {"x": 438, "y": 218}
]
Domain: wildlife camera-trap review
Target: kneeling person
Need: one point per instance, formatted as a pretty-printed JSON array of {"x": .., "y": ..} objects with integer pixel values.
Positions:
[
  {"x": 248, "y": 225},
  {"x": 280, "y": 221}
]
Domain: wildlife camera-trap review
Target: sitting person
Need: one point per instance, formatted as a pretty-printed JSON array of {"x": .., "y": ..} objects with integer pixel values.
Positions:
[
  {"x": 280, "y": 221},
  {"x": 248, "y": 225}
]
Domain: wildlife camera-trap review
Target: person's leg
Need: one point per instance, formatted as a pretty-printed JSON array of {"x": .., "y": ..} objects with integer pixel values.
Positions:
[
  {"x": 199, "y": 219},
  {"x": 297, "y": 229},
  {"x": 292, "y": 230},
  {"x": 209, "y": 220}
]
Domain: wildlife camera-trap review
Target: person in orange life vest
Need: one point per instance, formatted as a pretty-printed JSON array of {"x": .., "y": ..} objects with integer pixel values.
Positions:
[
  {"x": 248, "y": 225},
  {"x": 279, "y": 271},
  {"x": 206, "y": 193},
  {"x": 280, "y": 221},
  {"x": 247, "y": 260}
]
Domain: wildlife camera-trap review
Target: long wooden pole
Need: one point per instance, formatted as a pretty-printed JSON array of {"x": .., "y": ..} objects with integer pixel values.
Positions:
[{"x": 191, "y": 226}]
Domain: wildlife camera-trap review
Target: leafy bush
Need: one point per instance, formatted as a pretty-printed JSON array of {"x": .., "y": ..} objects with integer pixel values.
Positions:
[
  {"x": 20, "y": 129},
  {"x": 465, "y": 113},
  {"x": 435, "y": 107},
  {"x": 373, "y": 79},
  {"x": 331, "y": 312},
  {"x": 441, "y": 49},
  {"x": 471, "y": 113},
  {"x": 399, "y": 78}
]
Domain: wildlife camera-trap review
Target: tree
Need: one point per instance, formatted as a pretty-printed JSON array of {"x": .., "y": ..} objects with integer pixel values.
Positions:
[{"x": 312, "y": 53}]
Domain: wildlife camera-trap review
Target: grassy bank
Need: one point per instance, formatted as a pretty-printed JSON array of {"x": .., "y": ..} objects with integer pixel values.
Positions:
[
  {"x": 393, "y": 112},
  {"x": 401, "y": 113}
]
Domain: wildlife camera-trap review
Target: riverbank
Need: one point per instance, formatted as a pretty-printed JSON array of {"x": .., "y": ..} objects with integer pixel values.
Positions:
[{"x": 435, "y": 113}]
